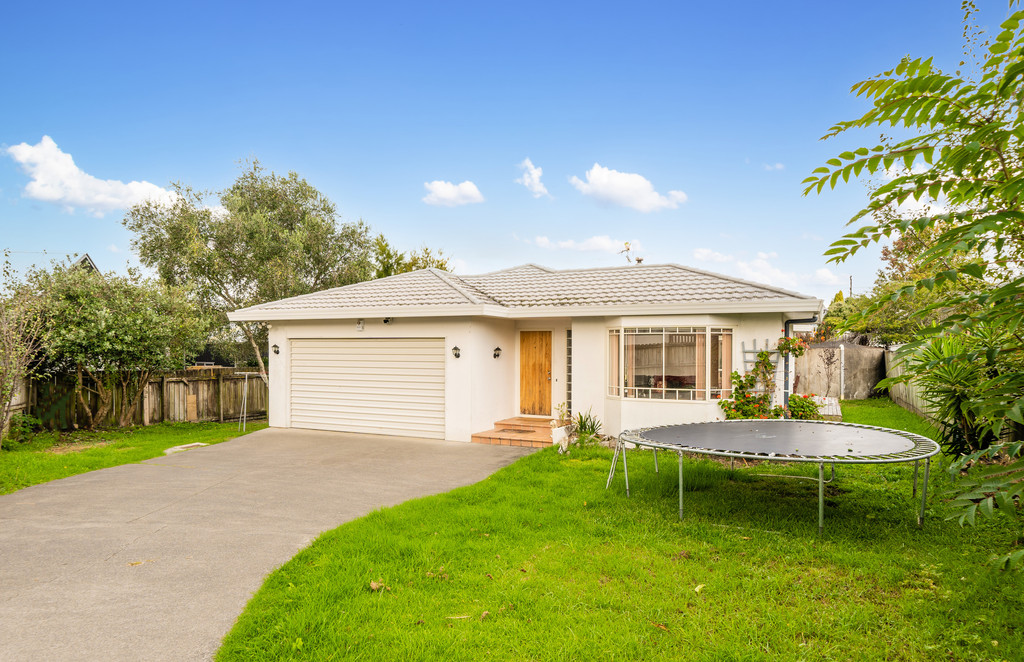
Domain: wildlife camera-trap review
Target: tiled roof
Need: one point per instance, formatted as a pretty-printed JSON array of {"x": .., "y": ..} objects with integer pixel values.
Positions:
[
  {"x": 531, "y": 287},
  {"x": 416, "y": 288}
]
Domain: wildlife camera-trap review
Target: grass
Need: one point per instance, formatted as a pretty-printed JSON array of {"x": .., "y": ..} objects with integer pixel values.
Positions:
[
  {"x": 539, "y": 561},
  {"x": 887, "y": 414},
  {"x": 48, "y": 456}
]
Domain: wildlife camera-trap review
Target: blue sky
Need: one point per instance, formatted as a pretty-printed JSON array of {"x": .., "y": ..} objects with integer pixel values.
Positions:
[{"x": 684, "y": 128}]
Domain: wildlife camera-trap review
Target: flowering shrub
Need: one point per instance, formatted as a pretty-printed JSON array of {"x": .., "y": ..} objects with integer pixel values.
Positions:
[
  {"x": 803, "y": 407},
  {"x": 794, "y": 346},
  {"x": 745, "y": 403}
]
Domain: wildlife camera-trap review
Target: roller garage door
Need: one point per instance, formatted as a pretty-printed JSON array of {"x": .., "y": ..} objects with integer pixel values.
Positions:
[{"x": 374, "y": 385}]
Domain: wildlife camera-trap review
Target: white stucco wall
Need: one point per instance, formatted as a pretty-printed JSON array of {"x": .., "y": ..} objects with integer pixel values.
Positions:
[{"x": 478, "y": 387}]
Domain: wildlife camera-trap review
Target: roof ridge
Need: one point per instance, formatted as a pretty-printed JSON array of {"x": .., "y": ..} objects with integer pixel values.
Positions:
[
  {"x": 760, "y": 286},
  {"x": 461, "y": 286},
  {"x": 518, "y": 266}
]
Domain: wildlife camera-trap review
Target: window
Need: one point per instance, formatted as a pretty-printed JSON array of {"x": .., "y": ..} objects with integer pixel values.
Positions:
[{"x": 674, "y": 363}]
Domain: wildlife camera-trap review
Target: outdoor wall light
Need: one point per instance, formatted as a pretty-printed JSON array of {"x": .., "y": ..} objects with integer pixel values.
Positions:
[
  {"x": 359, "y": 325},
  {"x": 277, "y": 350},
  {"x": 497, "y": 352},
  {"x": 456, "y": 352}
]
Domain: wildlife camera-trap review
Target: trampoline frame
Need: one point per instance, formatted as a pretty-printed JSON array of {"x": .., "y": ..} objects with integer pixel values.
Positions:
[{"x": 923, "y": 449}]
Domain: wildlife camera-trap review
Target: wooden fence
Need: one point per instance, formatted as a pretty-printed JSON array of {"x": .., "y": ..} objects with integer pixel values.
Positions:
[
  {"x": 195, "y": 394},
  {"x": 906, "y": 394}
]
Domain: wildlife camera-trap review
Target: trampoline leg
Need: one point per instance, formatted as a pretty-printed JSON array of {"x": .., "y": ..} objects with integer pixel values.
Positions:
[
  {"x": 615, "y": 459},
  {"x": 821, "y": 497},
  {"x": 680, "y": 486},
  {"x": 924, "y": 492},
  {"x": 655, "y": 460},
  {"x": 833, "y": 472},
  {"x": 916, "y": 463},
  {"x": 625, "y": 468}
]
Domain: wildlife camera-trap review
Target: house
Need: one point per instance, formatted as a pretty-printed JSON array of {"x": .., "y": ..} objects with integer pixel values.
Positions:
[{"x": 431, "y": 354}]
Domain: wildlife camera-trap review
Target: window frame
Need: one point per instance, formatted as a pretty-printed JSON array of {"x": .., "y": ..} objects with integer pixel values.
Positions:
[{"x": 617, "y": 336}]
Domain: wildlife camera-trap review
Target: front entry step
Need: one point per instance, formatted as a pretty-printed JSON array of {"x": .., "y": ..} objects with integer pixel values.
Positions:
[{"x": 518, "y": 431}]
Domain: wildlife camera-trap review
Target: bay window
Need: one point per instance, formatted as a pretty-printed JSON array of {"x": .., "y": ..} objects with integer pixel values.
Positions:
[{"x": 670, "y": 363}]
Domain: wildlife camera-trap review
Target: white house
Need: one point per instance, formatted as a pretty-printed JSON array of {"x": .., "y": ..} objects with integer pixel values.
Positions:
[{"x": 431, "y": 354}]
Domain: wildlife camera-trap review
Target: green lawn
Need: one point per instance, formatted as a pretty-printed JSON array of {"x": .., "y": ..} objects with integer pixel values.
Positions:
[
  {"x": 887, "y": 414},
  {"x": 539, "y": 562},
  {"x": 49, "y": 456}
]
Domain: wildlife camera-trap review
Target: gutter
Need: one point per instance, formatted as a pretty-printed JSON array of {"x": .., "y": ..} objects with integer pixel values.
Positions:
[{"x": 786, "y": 372}]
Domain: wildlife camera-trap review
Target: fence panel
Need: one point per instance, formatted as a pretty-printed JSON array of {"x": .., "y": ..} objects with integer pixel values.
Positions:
[
  {"x": 907, "y": 394},
  {"x": 198, "y": 394}
]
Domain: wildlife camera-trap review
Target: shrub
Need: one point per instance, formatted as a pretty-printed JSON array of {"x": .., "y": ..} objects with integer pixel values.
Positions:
[
  {"x": 588, "y": 428},
  {"x": 954, "y": 387},
  {"x": 23, "y": 425},
  {"x": 803, "y": 408},
  {"x": 744, "y": 403}
]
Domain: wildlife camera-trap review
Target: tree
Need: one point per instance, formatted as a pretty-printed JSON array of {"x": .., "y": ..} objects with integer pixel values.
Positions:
[
  {"x": 273, "y": 237},
  {"x": 389, "y": 261},
  {"x": 114, "y": 332},
  {"x": 968, "y": 149},
  {"x": 21, "y": 334}
]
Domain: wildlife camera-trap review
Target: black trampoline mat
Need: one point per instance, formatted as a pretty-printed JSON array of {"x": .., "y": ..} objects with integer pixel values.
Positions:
[{"x": 782, "y": 437}]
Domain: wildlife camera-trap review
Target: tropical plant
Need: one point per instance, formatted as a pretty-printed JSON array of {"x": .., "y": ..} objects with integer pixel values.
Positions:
[
  {"x": 953, "y": 387},
  {"x": 994, "y": 485},
  {"x": 965, "y": 158}
]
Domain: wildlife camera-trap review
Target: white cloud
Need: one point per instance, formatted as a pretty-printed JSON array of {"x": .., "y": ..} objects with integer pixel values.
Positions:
[
  {"x": 762, "y": 270},
  {"x": 531, "y": 178},
  {"x": 113, "y": 248},
  {"x": 774, "y": 166},
  {"x": 810, "y": 236},
  {"x": 56, "y": 178},
  {"x": 626, "y": 189},
  {"x": 708, "y": 255},
  {"x": 599, "y": 243},
  {"x": 447, "y": 194},
  {"x": 825, "y": 277}
]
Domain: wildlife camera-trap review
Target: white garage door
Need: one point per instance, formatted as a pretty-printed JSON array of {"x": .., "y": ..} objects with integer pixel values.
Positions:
[{"x": 375, "y": 385}]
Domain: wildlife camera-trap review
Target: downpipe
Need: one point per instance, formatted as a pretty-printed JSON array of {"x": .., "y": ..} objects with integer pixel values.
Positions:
[{"x": 788, "y": 328}]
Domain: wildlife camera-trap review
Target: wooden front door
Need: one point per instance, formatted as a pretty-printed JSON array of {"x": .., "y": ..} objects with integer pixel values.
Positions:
[{"x": 535, "y": 372}]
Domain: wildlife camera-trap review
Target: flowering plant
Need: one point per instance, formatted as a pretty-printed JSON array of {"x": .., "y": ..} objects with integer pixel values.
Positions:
[
  {"x": 746, "y": 402},
  {"x": 794, "y": 346},
  {"x": 803, "y": 407}
]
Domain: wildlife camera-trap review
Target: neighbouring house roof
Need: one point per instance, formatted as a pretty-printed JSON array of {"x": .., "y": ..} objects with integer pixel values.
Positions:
[
  {"x": 85, "y": 262},
  {"x": 534, "y": 291}
]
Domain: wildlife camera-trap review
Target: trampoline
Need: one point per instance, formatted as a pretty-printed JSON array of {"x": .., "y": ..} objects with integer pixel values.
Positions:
[{"x": 782, "y": 440}]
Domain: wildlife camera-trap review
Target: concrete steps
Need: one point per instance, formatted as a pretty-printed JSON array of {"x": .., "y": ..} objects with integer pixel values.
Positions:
[{"x": 518, "y": 431}]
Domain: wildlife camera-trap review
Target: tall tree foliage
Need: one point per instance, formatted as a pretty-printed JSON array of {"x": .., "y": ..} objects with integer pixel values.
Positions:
[
  {"x": 966, "y": 151},
  {"x": 388, "y": 261},
  {"x": 21, "y": 336},
  {"x": 272, "y": 237},
  {"x": 114, "y": 332}
]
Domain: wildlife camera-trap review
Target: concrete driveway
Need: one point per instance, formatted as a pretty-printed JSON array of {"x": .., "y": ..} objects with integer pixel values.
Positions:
[{"x": 155, "y": 561}]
